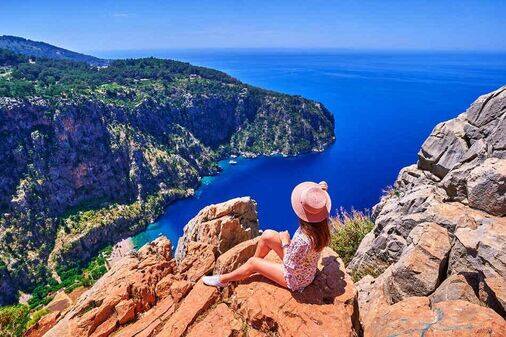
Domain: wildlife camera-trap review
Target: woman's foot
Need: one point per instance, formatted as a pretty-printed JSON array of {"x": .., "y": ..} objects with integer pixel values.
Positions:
[{"x": 213, "y": 281}]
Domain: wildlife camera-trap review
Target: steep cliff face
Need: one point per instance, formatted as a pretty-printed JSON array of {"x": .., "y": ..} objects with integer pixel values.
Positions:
[
  {"x": 438, "y": 248},
  {"x": 152, "y": 294},
  {"x": 90, "y": 155}
]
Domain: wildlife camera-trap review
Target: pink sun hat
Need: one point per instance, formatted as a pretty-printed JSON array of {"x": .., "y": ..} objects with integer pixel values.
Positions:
[{"x": 311, "y": 202}]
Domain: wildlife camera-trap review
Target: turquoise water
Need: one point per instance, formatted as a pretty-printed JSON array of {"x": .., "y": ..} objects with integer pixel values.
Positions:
[{"x": 385, "y": 105}]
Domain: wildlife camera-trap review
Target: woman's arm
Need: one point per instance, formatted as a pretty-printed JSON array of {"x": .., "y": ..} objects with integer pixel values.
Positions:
[{"x": 285, "y": 241}]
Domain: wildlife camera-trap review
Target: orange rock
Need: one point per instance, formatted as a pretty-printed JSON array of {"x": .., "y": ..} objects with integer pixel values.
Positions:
[
  {"x": 106, "y": 328},
  {"x": 200, "y": 298},
  {"x": 198, "y": 261},
  {"x": 236, "y": 256},
  {"x": 222, "y": 226},
  {"x": 125, "y": 311},
  {"x": 43, "y": 325},
  {"x": 179, "y": 289},
  {"x": 415, "y": 317},
  {"x": 162, "y": 289},
  {"x": 327, "y": 307},
  {"x": 150, "y": 321},
  {"x": 125, "y": 290},
  {"x": 255, "y": 333},
  {"x": 76, "y": 293},
  {"x": 220, "y": 321},
  {"x": 60, "y": 302},
  {"x": 147, "y": 295}
]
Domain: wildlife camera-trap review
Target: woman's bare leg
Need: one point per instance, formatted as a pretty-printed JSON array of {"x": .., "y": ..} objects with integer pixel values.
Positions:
[
  {"x": 269, "y": 269},
  {"x": 269, "y": 241}
]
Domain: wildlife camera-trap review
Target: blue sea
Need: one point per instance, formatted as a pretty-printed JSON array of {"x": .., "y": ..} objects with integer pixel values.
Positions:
[{"x": 385, "y": 104}]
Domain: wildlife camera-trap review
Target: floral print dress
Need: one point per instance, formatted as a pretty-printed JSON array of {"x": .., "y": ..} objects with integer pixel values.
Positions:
[{"x": 300, "y": 262}]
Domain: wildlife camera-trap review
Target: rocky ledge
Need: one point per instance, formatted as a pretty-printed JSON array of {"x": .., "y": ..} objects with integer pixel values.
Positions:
[
  {"x": 435, "y": 262},
  {"x": 150, "y": 293}
]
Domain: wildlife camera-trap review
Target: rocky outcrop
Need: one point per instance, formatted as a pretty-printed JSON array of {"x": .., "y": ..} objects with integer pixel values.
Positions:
[
  {"x": 221, "y": 226},
  {"x": 148, "y": 294},
  {"x": 43, "y": 325},
  {"x": 438, "y": 247}
]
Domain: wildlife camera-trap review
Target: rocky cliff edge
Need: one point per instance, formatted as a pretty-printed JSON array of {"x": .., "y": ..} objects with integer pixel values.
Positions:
[
  {"x": 435, "y": 263},
  {"x": 151, "y": 294}
]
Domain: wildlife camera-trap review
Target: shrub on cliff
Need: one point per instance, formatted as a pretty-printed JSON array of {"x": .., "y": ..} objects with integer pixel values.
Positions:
[
  {"x": 347, "y": 231},
  {"x": 13, "y": 320},
  {"x": 70, "y": 279}
]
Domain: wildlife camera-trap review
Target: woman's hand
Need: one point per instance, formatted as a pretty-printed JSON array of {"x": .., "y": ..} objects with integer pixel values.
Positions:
[{"x": 284, "y": 237}]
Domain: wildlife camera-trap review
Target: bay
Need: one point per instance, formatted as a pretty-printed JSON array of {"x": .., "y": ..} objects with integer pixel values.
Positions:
[{"x": 384, "y": 103}]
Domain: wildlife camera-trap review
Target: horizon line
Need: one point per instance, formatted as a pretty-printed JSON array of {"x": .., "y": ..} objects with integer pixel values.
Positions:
[{"x": 307, "y": 49}]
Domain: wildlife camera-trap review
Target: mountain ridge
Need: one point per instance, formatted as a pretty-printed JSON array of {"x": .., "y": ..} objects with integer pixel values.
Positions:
[{"x": 42, "y": 49}]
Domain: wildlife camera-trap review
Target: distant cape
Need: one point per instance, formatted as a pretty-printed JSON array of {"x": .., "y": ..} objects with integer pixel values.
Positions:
[{"x": 41, "y": 49}]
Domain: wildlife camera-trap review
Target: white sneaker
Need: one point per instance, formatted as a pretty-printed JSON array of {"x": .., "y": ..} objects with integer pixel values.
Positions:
[{"x": 214, "y": 281}]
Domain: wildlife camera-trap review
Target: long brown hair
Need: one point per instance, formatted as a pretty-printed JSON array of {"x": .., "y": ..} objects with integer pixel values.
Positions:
[{"x": 318, "y": 233}]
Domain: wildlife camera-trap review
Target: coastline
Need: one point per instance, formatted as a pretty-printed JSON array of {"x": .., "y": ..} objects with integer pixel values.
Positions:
[
  {"x": 163, "y": 201},
  {"x": 224, "y": 165}
]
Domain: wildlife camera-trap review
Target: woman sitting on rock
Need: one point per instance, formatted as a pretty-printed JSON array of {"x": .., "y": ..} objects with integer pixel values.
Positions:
[{"x": 300, "y": 256}]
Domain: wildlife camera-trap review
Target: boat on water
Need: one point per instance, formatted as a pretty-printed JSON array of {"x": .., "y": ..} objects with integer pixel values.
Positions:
[
  {"x": 233, "y": 156},
  {"x": 232, "y": 162}
]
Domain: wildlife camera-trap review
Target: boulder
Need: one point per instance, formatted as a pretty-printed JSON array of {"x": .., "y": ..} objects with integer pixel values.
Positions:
[
  {"x": 222, "y": 226},
  {"x": 127, "y": 290},
  {"x": 487, "y": 108},
  {"x": 198, "y": 261},
  {"x": 179, "y": 289},
  {"x": 149, "y": 322},
  {"x": 445, "y": 147},
  {"x": 455, "y": 287},
  {"x": 481, "y": 249},
  {"x": 235, "y": 256},
  {"x": 60, "y": 302},
  {"x": 327, "y": 307},
  {"x": 125, "y": 311},
  {"x": 43, "y": 325},
  {"x": 418, "y": 271},
  {"x": 416, "y": 317},
  {"x": 486, "y": 186}
]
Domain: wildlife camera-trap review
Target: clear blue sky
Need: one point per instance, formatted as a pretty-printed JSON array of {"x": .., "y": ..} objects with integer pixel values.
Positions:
[{"x": 134, "y": 24}]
